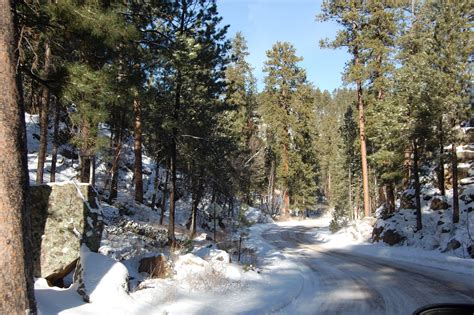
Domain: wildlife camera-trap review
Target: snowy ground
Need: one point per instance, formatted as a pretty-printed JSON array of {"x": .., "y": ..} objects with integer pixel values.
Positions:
[{"x": 302, "y": 268}]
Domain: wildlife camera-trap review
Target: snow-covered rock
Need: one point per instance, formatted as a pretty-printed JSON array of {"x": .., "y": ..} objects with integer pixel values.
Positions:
[
  {"x": 189, "y": 264},
  {"x": 255, "y": 215},
  {"x": 100, "y": 278}
]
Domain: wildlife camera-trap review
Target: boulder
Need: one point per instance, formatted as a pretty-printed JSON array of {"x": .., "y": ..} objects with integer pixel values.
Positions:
[
  {"x": 376, "y": 233},
  {"x": 407, "y": 201},
  {"x": 468, "y": 136},
  {"x": 189, "y": 264},
  {"x": 99, "y": 278},
  {"x": 212, "y": 255},
  {"x": 464, "y": 170},
  {"x": 392, "y": 237},
  {"x": 63, "y": 216},
  {"x": 438, "y": 203},
  {"x": 56, "y": 279},
  {"x": 452, "y": 245},
  {"x": 465, "y": 155},
  {"x": 470, "y": 250},
  {"x": 155, "y": 266}
]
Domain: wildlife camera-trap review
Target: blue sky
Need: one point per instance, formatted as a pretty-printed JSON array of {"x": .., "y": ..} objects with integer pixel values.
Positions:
[{"x": 264, "y": 22}]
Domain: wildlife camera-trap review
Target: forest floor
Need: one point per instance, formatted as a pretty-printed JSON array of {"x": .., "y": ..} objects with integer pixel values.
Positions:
[{"x": 301, "y": 268}]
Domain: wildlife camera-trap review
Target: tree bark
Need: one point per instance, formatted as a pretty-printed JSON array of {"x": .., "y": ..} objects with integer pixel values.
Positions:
[
  {"x": 390, "y": 197},
  {"x": 137, "y": 148},
  {"x": 362, "y": 136},
  {"x": 441, "y": 178},
  {"x": 197, "y": 194},
  {"x": 407, "y": 167},
  {"x": 351, "y": 205},
  {"x": 43, "y": 144},
  {"x": 286, "y": 195},
  {"x": 54, "y": 152},
  {"x": 156, "y": 183},
  {"x": 363, "y": 149},
  {"x": 416, "y": 176},
  {"x": 171, "y": 235},
  {"x": 454, "y": 163},
  {"x": 163, "y": 199},
  {"x": 358, "y": 198},
  {"x": 173, "y": 158},
  {"x": 16, "y": 276},
  {"x": 115, "y": 164},
  {"x": 85, "y": 159}
]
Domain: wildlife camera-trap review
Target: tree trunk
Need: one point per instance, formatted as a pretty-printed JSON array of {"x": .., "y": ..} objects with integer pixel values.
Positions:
[
  {"x": 85, "y": 168},
  {"x": 416, "y": 175},
  {"x": 16, "y": 276},
  {"x": 363, "y": 149},
  {"x": 329, "y": 187},
  {"x": 85, "y": 159},
  {"x": 115, "y": 165},
  {"x": 358, "y": 198},
  {"x": 43, "y": 118},
  {"x": 156, "y": 183},
  {"x": 197, "y": 194},
  {"x": 172, "y": 193},
  {"x": 54, "y": 152},
  {"x": 173, "y": 159},
  {"x": 271, "y": 190},
  {"x": 163, "y": 199},
  {"x": 390, "y": 197},
  {"x": 137, "y": 148},
  {"x": 441, "y": 178},
  {"x": 286, "y": 195},
  {"x": 454, "y": 163},
  {"x": 407, "y": 167},
  {"x": 351, "y": 206}
]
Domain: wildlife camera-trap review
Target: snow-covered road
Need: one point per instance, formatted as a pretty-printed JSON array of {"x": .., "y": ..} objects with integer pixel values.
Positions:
[{"x": 340, "y": 281}]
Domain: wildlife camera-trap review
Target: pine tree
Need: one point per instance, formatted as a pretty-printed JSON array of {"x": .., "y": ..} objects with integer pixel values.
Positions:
[
  {"x": 448, "y": 54},
  {"x": 240, "y": 121},
  {"x": 287, "y": 114},
  {"x": 353, "y": 19},
  {"x": 194, "y": 52}
]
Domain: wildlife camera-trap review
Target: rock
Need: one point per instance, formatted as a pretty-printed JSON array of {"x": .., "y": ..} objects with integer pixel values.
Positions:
[
  {"x": 376, "y": 234},
  {"x": 100, "y": 278},
  {"x": 438, "y": 203},
  {"x": 465, "y": 155},
  {"x": 61, "y": 221},
  {"x": 467, "y": 181},
  {"x": 463, "y": 171},
  {"x": 69, "y": 153},
  {"x": 468, "y": 135},
  {"x": 453, "y": 245},
  {"x": 212, "y": 255},
  {"x": 470, "y": 250},
  {"x": 155, "y": 266},
  {"x": 189, "y": 264},
  {"x": 56, "y": 279},
  {"x": 392, "y": 237},
  {"x": 407, "y": 201}
]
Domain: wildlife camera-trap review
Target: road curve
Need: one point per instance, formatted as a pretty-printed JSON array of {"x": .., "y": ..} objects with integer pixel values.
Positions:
[{"x": 343, "y": 282}]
